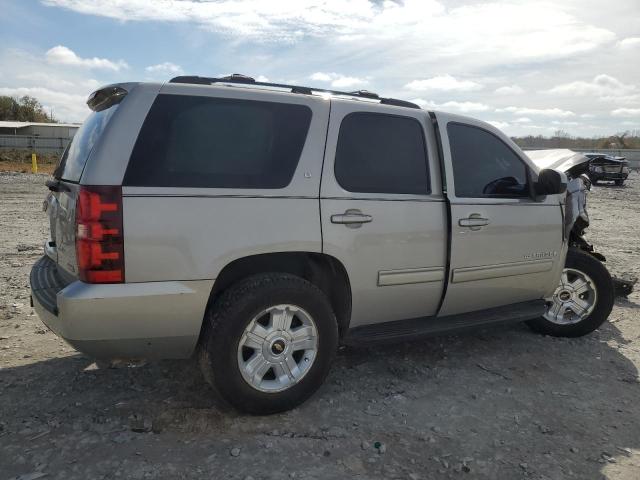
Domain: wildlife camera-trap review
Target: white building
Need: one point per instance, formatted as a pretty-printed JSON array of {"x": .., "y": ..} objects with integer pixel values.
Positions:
[{"x": 52, "y": 130}]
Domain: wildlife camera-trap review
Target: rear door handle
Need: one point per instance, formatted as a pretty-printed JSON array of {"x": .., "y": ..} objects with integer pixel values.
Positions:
[
  {"x": 474, "y": 221},
  {"x": 352, "y": 218}
]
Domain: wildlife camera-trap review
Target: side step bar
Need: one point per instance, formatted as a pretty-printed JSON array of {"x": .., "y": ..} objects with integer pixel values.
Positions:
[{"x": 425, "y": 326}]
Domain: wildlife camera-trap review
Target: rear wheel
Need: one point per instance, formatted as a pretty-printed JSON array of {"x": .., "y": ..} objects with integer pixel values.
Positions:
[
  {"x": 268, "y": 343},
  {"x": 581, "y": 302}
]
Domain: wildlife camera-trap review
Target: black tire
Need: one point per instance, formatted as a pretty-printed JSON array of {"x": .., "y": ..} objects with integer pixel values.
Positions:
[
  {"x": 224, "y": 326},
  {"x": 582, "y": 261},
  {"x": 619, "y": 183}
]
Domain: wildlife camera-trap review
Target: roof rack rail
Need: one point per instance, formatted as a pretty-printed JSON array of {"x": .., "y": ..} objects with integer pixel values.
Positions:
[{"x": 245, "y": 80}]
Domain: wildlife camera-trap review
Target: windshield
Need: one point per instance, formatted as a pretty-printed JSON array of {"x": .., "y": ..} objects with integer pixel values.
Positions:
[{"x": 75, "y": 156}]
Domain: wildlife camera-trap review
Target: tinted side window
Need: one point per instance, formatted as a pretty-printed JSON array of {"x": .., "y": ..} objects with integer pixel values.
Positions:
[
  {"x": 76, "y": 154},
  {"x": 380, "y": 153},
  {"x": 483, "y": 166},
  {"x": 192, "y": 141}
]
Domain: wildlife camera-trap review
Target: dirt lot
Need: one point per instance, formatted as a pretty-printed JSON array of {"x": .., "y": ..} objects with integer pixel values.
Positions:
[
  {"x": 501, "y": 404},
  {"x": 20, "y": 161}
]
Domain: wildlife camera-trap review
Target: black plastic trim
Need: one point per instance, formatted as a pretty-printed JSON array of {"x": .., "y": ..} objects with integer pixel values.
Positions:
[
  {"x": 106, "y": 97},
  {"x": 443, "y": 181},
  {"x": 46, "y": 282},
  {"x": 245, "y": 80},
  {"x": 400, "y": 330}
]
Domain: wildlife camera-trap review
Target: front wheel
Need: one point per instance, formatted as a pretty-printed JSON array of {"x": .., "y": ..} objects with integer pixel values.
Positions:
[
  {"x": 268, "y": 343},
  {"x": 619, "y": 183},
  {"x": 582, "y": 301}
]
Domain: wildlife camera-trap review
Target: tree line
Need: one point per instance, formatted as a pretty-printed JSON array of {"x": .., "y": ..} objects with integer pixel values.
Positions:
[
  {"x": 561, "y": 139},
  {"x": 24, "y": 109}
]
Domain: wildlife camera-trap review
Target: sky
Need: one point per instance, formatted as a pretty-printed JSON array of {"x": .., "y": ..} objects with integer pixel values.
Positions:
[{"x": 528, "y": 67}]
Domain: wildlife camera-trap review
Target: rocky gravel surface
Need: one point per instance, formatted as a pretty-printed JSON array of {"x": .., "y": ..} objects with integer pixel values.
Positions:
[{"x": 499, "y": 404}]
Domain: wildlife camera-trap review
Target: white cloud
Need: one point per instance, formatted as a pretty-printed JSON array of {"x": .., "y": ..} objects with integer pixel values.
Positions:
[
  {"x": 510, "y": 90},
  {"x": 61, "y": 55},
  {"x": 428, "y": 104},
  {"x": 543, "y": 112},
  {"x": 629, "y": 42},
  {"x": 604, "y": 87},
  {"x": 497, "y": 30},
  {"x": 498, "y": 124},
  {"x": 321, "y": 77},
  {"x": 63, "y": 89},
  {"x": 522, "y": 120},
  {"x": 626, "y": 112},
  {"x": 337, "y": 80},
  {"x": 565, "y": 123},
  {"x": 464, "y": 107},
  {"x": 165, "y": 68},
  {"x": 348, "y": 82},
  {"x": 445, "y": 83}
]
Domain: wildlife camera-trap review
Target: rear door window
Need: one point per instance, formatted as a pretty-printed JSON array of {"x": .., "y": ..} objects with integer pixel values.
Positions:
[
  {"x": 76, "y": 154},
  {"x": 194, "y": 141},
  {"x": 379, "y": 153}
]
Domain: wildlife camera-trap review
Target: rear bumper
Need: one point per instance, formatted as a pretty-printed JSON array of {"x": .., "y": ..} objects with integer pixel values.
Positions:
[{"x": 129, "y": 320}]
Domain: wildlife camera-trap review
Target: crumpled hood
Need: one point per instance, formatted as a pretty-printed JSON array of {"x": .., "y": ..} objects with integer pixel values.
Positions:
[{"x": 561, "y": 159}]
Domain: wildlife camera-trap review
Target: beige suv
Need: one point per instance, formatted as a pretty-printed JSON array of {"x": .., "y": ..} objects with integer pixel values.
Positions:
[{"x": 260, "y": 225}]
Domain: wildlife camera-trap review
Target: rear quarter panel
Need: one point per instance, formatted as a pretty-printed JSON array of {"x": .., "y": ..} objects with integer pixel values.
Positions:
[{"x": 193, "y": 238}]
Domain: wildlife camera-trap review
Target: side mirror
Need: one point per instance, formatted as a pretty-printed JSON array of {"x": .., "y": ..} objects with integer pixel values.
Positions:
[{"x": 550, "y": 182}]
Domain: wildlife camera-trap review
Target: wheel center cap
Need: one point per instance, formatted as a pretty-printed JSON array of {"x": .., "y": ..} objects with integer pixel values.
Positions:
[
  {"x": 277, "y": 347},
  {"x": 564, "y": 296}
]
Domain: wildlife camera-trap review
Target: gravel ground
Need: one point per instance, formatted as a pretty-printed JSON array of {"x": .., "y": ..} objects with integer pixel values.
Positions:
[{"x": 500, "y": 404}]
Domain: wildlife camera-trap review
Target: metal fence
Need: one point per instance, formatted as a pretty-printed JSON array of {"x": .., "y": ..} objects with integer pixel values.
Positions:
[{"x": 34, "y": 143}]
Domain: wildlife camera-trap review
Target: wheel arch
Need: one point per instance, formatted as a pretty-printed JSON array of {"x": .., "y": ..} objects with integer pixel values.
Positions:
[{"x": 324, "y": 271}]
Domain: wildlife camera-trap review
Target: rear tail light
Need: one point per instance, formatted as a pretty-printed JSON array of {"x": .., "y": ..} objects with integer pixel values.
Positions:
[{"x": 99, "y": 238}]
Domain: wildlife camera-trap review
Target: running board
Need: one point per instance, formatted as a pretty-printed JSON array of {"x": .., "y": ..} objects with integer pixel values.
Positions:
[{"x": 425, "y": 326}]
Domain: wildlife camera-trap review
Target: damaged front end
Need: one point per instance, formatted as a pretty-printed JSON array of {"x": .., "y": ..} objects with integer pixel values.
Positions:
[{"x": 576, "y": 218}]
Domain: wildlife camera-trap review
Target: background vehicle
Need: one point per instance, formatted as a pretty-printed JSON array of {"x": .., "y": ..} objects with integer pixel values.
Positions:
[
  {"x": 607, "y": 168},
  {"x": 262, "y": 224}
]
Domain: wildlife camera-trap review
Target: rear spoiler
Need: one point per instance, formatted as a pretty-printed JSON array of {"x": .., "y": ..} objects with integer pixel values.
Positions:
[{"x": 106, "y": 97}]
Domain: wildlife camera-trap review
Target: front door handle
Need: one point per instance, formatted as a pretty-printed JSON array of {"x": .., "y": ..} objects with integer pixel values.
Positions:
[
  {"x": 352, "y": 218},
  {"x": 473, "y": 221}
]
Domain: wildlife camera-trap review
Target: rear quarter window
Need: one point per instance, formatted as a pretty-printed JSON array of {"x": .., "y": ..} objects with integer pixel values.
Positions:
[
  {"x": 195, "y": 141},
  {"x": 76, "y": 154}
]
